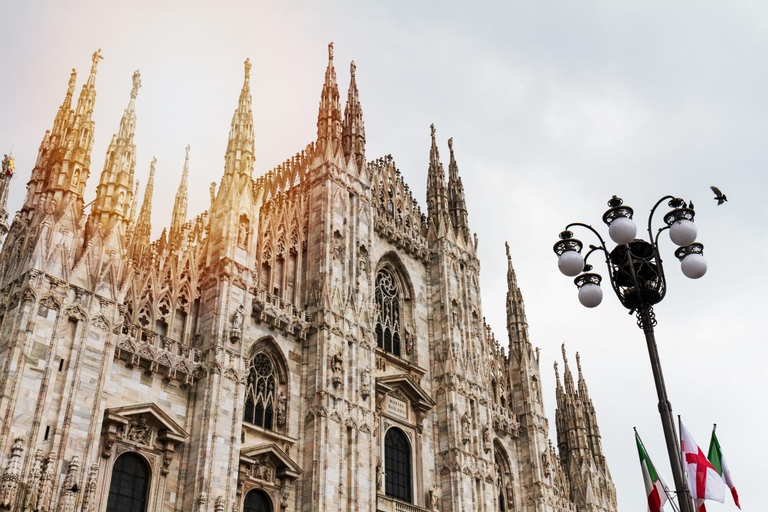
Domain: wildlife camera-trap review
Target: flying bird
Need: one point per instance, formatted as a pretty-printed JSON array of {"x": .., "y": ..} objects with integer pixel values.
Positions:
[{"x": 719, "y": 196}]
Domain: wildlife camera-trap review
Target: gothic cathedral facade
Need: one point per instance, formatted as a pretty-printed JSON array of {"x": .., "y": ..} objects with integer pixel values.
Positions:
[{"x": 310, "y": 342}]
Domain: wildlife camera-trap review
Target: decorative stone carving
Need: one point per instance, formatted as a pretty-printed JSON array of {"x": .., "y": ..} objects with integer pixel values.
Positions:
[
  {"x": 285, "y": 493},
  {"x": 89, "y": 497},
  {"x": 218, "y": 505},
  {"x": 68, "y": 498},
  {"x": 33, "y": 482},
  {"x": 139, "y": 431},
  {"x": 10, "y": 482},
  {"x": 379, "y": 475},
  {"x": 45, "y": 497}
]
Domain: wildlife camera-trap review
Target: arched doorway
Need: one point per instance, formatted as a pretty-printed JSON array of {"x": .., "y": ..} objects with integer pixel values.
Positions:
[
  {"x": 257, "y": 501},
  {"x": 129, "y": 485}
]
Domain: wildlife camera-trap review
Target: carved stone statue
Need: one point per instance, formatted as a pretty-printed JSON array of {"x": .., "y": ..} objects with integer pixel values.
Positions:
[
  {"x": 365, "y": 383},
  {"x": 379, "y": 475},
  {"x": 337, "y": 367},
  {"x": 487, "y": 436},
  {"x": 465, "y": 423},
  {"x": 546, "y": 464},
  {"x": 242, "y": 235},
  {"x": 237, "y": 318},
  {"x": 433, "y": 497},
  {"x": 282, "y": 404}
]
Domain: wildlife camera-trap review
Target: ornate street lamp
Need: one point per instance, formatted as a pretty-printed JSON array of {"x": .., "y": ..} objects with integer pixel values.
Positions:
[{"x": 637, "y": 276}]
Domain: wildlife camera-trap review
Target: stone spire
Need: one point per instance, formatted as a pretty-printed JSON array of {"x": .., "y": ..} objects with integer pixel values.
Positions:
[
  {"x": 51, "y": 139},
  {"x": 65, "y": 155},
  {"x": 456, "y": 202},
  {"x": 329, "y": 115},
  {"x": 593, "y": 430},
  {"x": 437, "y": 195},
  {"x": 114, "y": 193},
  {"x": 517, "y": 324},
  {"x": 578, "y": 439},
  {"x": 179, "y": 216},
  {"x": 143, "y": 228},
  {"x": 353, "y": 130},
  {"x": 240, "y": 147}
]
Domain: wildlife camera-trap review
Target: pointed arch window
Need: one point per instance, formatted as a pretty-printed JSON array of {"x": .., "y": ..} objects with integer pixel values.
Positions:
[
  {"x": 129, "y": 486},
  {"x": 260, "y": 392},
  {"x": 397, "y": 460},
  {"x": 387, "y": 312}
]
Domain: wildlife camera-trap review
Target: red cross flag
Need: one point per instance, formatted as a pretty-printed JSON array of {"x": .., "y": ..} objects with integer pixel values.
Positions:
[{"x": 704, "y": 482}]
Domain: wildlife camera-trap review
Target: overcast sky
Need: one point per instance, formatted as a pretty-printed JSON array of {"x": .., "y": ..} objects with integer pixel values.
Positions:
[{"x": 553, "y": 106}]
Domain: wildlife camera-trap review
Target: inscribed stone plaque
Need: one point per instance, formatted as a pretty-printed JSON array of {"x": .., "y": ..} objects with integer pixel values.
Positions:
[{"x": 397, "y": 407}]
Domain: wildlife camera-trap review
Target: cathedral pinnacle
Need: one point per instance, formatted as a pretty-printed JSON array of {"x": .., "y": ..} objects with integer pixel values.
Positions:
[
  {"x": 517, "y": 323},
  {"x": 329, "y": 114},
  {"x": 457, "y": 204},
  {"x": 143, "y": 228},
  {"x": 437, "y": 196},
  {"x": 353, "y": 129},
  {"x": 240, "y": 147},
  {"x": 114, "y": 193},
  {"x": 179, "y": 215},
  {"x": 95, "y": 58}
]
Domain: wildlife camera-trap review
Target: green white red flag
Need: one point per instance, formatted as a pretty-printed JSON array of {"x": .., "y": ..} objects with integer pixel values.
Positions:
[
  {"x": 654, "y": 488},
  {"x": 704, "y": 482},
  {"x": 715, "y": 456}
]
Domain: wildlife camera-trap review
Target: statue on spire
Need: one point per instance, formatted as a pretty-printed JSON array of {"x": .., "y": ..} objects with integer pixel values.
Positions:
[
  {"x": 509, "y": 256},
  {"x": 96, "y": 57},
  {"x": 432, "y": 130},
  {"x": 352, "y": 68},
  {"x": 330, "y": 50},
  {"x": 247, "y": 68},
  {"x": 136, "y": 84},
  {"x": 9, "y": 165},
  {"x": 72, "y": 79}
]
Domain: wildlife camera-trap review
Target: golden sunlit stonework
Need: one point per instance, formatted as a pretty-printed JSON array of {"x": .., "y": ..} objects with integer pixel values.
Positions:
[{"x": 311, "y": 342}]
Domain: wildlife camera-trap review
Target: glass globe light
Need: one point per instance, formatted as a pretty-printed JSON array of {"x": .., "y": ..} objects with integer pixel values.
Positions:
[
  {"x": 590, "y": 295},
  {"x": 622, "y": 230},
  {"x": 570, "y": 263},
  {"x": 683, "y": 232},
  {"x": 694, "y": 266}
]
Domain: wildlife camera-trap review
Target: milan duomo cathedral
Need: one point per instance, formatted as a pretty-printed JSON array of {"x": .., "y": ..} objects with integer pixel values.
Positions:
[{"x": 310, "y": 342}]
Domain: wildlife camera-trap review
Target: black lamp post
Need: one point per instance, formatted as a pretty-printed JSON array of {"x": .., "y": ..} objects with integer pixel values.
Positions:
[{"x": 637, "y": 277}]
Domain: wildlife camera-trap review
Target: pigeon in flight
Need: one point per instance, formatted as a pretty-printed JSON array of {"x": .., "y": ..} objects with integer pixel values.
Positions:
[{"x": 719, "y": 196}]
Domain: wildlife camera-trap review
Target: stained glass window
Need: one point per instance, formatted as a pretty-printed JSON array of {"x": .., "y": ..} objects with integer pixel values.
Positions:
[{"x": 387, "y": 312}]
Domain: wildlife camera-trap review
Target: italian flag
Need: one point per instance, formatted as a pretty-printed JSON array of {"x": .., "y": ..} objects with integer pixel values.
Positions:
[
  {"x": 654, "y": 488},
  {"x": 715, "y": 456}
]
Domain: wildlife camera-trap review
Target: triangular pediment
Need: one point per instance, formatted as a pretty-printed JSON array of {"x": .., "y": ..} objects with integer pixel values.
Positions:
[
  {"x": 154, "y": 416},
  {"x": 404, "y": 383},
  {"x": 284, "y": 465}
]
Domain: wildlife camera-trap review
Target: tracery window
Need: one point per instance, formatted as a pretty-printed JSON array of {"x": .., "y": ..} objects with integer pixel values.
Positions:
[
  {"x": 130, "y": 482},
  {"x": 387, "y": 312},
  {"x": 397, "y": 461},
  {"x": 257, "y": 501},
  {"x": 260, "y": 392}
]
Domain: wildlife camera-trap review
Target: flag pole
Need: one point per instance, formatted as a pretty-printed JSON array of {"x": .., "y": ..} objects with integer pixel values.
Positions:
[{"x": 663, "y": 485}]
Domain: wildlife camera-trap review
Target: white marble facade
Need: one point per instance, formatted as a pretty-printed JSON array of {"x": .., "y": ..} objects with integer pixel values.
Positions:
[{"x": 310, "y": 342}]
